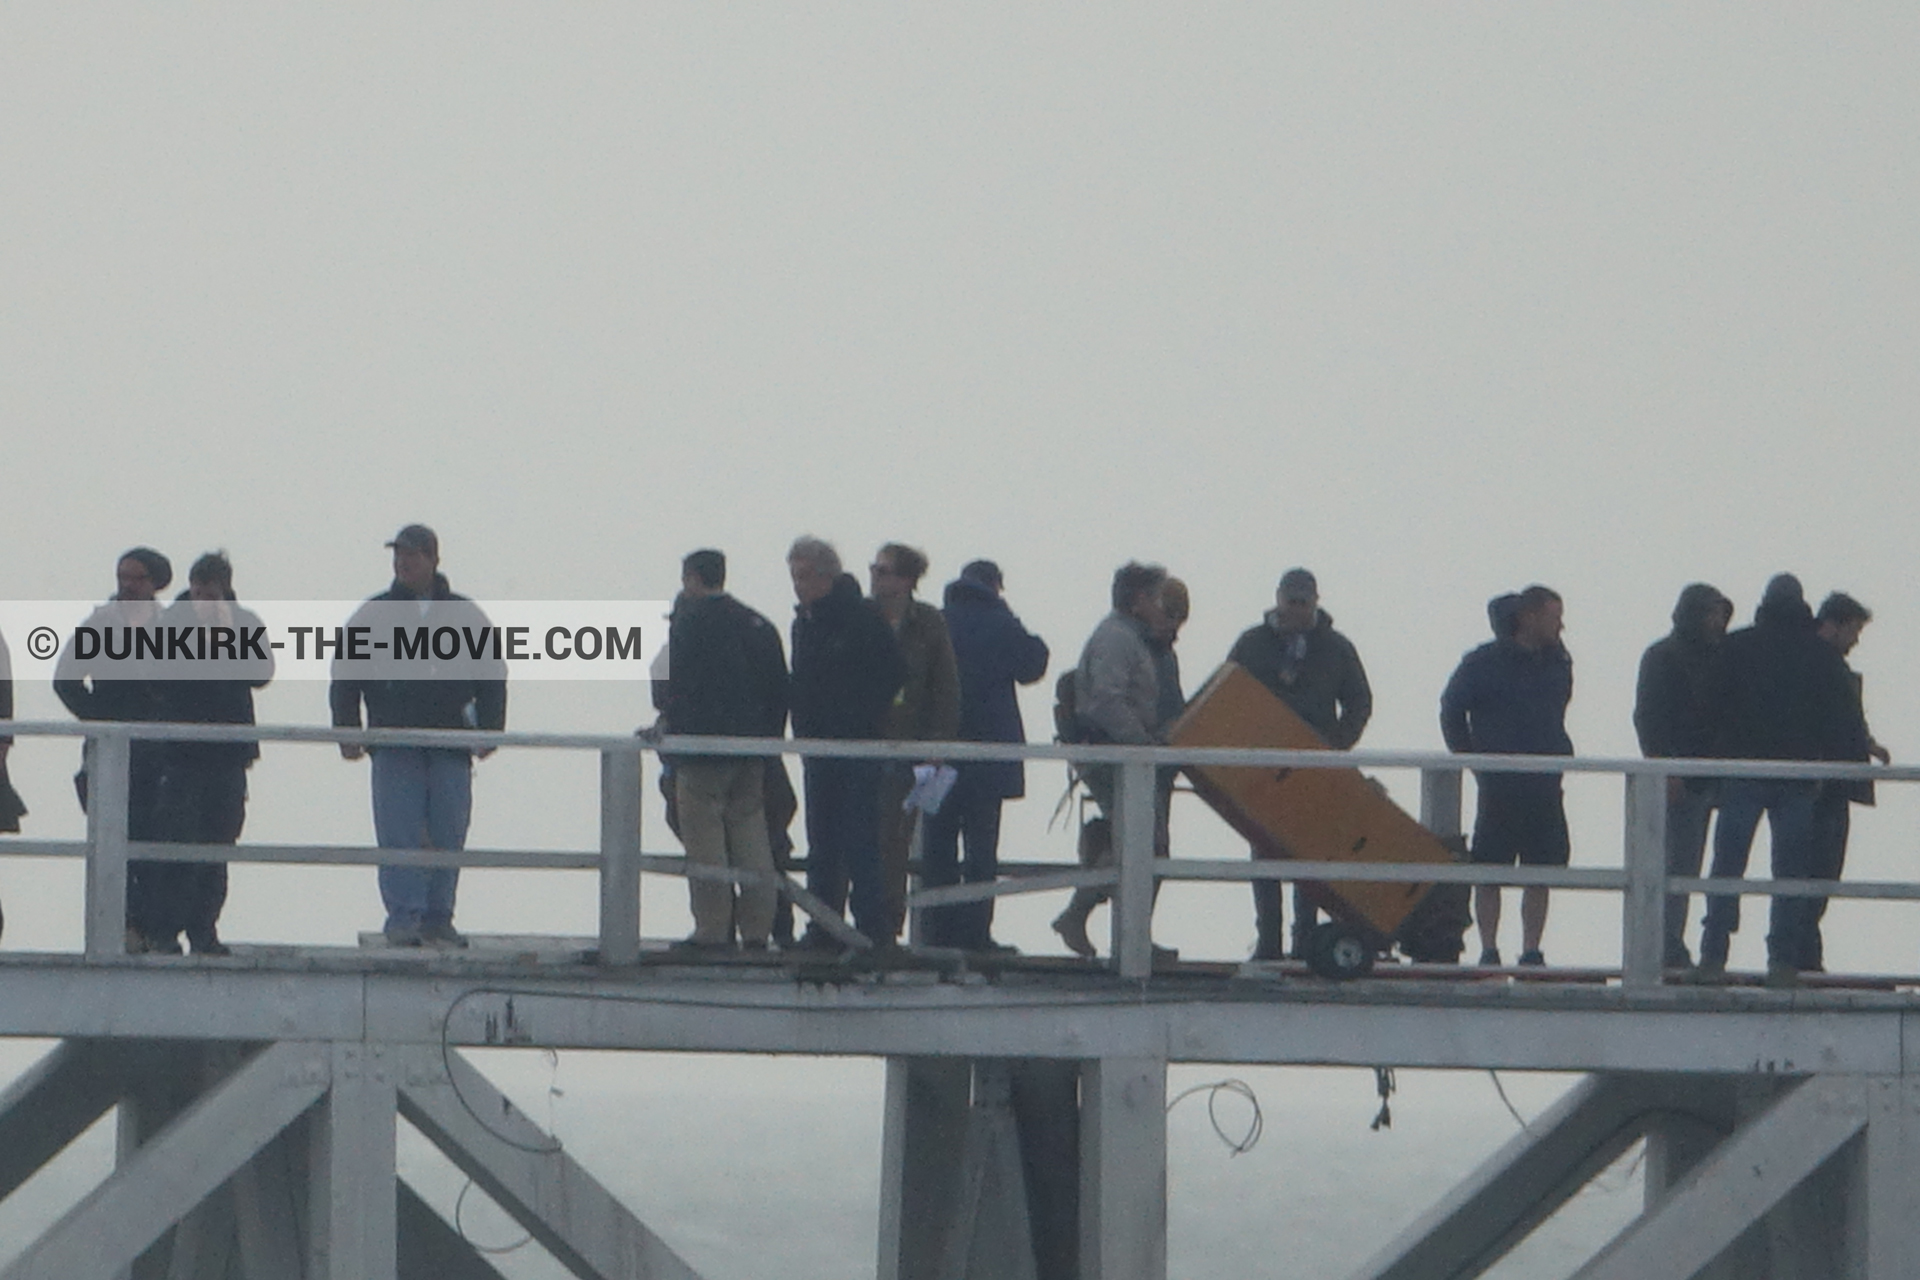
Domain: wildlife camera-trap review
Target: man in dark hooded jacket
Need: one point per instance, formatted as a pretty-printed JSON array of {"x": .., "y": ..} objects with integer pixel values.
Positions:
[
  {"x": 1777, "y": 692},
  {"x": 994, "y": 653},
  {"x": 1510, "y": 697},
  {"x": 1672, "y": 715},
  {"x": 1317, "y": 672},
  {"x": 846, "y": 670}
]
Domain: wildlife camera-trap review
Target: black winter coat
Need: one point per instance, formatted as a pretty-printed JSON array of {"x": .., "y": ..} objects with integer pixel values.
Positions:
[
  {"x": 425, "y": 704},
  {"x": 726, "y": 671},
  {"x": 1777, "y": 691},
  {"x": 1326, "y": 686},
  {"x": 212, "y": 701},
  {"x": 846, "y": 666}
]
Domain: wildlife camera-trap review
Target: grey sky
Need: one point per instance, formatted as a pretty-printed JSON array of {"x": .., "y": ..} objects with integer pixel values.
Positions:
[{"x": 1438, "y": 300}]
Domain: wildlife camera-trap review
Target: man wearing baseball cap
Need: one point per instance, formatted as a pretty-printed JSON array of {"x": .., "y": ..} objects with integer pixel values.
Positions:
[
  {"x": 1317, "y": 672},
  {"x": 422, "y": 796}
]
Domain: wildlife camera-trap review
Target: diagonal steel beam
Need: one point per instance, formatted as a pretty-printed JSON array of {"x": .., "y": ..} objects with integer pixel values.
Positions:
[
  {"x": 51, "y": 1104},
  {"x": 194, "y": 1154},
  {"x": 1519, "y": 1186},
  {"x": 545, "y": 1190},
  {"x": 430, "y": 1249},
  {"x": 1735, "y": 1186}
]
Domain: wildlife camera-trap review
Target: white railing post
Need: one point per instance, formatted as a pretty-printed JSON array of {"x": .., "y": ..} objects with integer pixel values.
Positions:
[
  {"x": 1643, "y": 910},
  {"x": 1440, "y": 801},
  {"x": 1133, "y": 848},
  {"x": 109, "y": 784},
  {"x": 620, "y": 775}
]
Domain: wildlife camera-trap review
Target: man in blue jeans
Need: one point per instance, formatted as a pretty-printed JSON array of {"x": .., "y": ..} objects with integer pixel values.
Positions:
[
  {"x": 1776, "y": 691},
  {"x": 422, "y": 796}
]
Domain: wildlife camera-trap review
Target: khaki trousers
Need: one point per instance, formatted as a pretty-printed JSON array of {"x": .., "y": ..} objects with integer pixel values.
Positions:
[{"x": 723, "y": 824}]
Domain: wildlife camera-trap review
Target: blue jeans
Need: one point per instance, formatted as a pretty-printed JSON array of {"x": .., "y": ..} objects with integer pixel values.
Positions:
[
  {"x": 1832, "y": 821},
  {"x": 422, "y": 799},
  {"x": 1789, "y": 809},
  {"x": 972, "y": 810},
  {"x": 843, "y": 841}
]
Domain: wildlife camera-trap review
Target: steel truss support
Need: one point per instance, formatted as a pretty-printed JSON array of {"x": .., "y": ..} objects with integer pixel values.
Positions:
[
  {"x": 277, "y": 1163},
  {"x": 1032, "y": 1169},
  {"x": 1756, "y": 1177},
  {"x": 955, "y": 1197},
  {"x": 540, "y": 1186},
  {"x": 187, "y": 1160}
]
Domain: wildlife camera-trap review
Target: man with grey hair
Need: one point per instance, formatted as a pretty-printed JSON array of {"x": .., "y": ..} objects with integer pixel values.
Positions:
[{"x": 846, "y": 670}]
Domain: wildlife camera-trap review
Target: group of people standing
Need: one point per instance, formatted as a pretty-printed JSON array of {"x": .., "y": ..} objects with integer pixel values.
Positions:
[
  {"x": 178, "y": 792},
  {"x": 884, "y": 665},
  {"x": 881, "y": 667},
  {"x": 196, "y": 792},
  {"x": 1780, "y": 689}
]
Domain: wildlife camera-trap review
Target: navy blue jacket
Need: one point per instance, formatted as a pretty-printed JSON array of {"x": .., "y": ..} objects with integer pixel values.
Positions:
[
  {"x": 994, "y": 653},
  {"x": 1505, "y": 699},
  {"x": 846, "y": 666}
]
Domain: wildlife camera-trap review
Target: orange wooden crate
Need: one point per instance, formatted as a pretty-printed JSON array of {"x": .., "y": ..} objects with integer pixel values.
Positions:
[{"x": 1319, "y": 815}]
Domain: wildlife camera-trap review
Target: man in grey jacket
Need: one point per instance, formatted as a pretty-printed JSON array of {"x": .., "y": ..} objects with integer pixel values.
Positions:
[{"x": 1116, "y": 699}]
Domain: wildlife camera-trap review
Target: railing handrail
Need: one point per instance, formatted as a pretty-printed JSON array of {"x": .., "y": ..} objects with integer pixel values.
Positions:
[
  {"x": 1643, "y": 880},
  {"x": 1087, "y": 753}
]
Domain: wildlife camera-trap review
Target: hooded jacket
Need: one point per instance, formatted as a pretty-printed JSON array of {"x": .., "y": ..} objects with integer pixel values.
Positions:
[
  {"x": 425, "y": 703},
  {"x": 1317, "y": 673},
  {"x": 1507, "y": 699},
  {"x": 1777, "y": 691},
  {"x": 994, "y": 652},
  {"x": 1672, "y": 713},
  {"x": 846, "y": 666}
]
